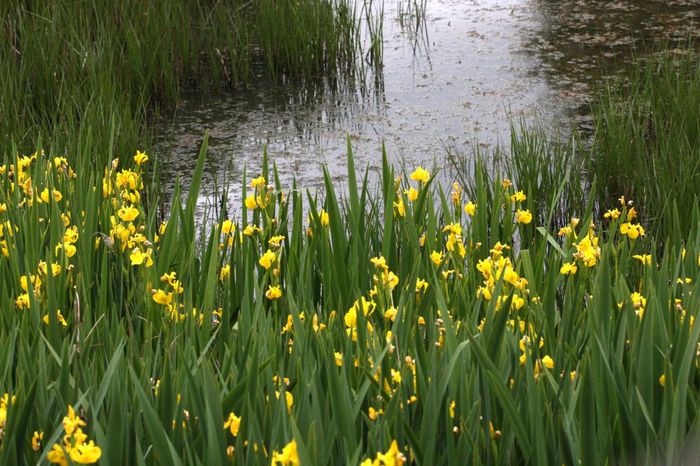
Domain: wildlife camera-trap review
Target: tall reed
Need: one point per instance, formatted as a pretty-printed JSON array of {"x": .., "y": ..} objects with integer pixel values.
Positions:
[
  {"x": 645, "y": 147},
  {"x": 647, "y": 139},
  {"x": 80, "y": 73}
]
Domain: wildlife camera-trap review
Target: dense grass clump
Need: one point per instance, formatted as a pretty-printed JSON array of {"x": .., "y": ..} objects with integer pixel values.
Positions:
[
  {"x": 82, "y": 76},
  {"x": 645, "y": 147},
  {"x": 647, "y": 139},
  {"x": 408, "y": 323}
]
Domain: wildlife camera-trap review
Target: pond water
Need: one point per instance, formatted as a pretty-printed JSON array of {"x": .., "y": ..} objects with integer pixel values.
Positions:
[{"x": 454, "y": 78}]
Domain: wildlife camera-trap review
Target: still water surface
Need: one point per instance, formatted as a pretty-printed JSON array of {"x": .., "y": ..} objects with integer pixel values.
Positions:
[{"x": 455, "y": 79}]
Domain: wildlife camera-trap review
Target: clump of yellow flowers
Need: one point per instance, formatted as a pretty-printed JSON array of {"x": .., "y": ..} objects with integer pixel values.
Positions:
[
  {"x": 262, "y": 195},
  {"x": 169, "y": 298},
  {"x": 5, "y": 400},
  {"x": 288, "y": 456},
  {"x": 393, "y": 457},
  {"x": 75, "y": 445},
  {"x": 122, "y": 188},
  {"x": 496, "y": 267},
  {"x": 233, "y": 425}
]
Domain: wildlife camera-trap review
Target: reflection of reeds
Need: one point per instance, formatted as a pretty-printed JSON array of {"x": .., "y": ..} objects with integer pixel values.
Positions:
[
  {"x": 371, "y": 47},
  {"x": 411, "y": 17},
  {"x": 411, "y": 14},
  {"x": 374, "y": 23}
]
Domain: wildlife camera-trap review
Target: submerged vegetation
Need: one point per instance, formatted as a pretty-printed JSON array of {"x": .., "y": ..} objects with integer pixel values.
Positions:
[{"x": 524, "y": 315}]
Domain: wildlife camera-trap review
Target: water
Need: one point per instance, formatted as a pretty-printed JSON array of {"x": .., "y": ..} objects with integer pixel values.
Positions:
[{"x": 454, "y": 80}]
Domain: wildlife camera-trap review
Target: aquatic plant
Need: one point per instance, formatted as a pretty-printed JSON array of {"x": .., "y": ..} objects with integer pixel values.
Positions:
[
  {"x": 89, "y": 76},
  {"x": 647, "y": 127},
  {"x": 424, "y": 324},
  {"x": 644, "y": 147}
]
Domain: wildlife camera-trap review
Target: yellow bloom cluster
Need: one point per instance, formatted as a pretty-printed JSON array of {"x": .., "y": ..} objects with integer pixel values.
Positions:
[
  {"x": 498, "y": 266},
  {"x": 228, "y": 229},
  {"x": 75, "y": 444},
  {"x": 233, "y": 423},
  {"x": 645, "y": 259},
  {"x": 261, "y": 196},
  {"x": 454, "y": 241},
  {"x": 168, "y": 297},
  {"x": 36, "y": 282},
  {"x": 399, "y": 206},
  {"x": 526, "y": 344},
  {"x": 568, "y": 268},
  {"x": 386, "y": 279},
  {"x": 470, "y": 208},
  {"x": 325, "y": 219},
  {"x": 5, "y": 400},
  {"x": 37, "y": 439},
  {"x": 612, "y": 214},
  {"x": 19, "y": 178},
  {"x": 587, "y": 250},
  {"x": 393, "y": 457},
  {"x": 523, "y": 216},
  {"x": 288, "y": 399},
  {"x": 316, "y": 326},
  {"x": 436, "y": 257},
  {"x": 5, "y": 229},
  {"x": 288, "y": 456},
  {"x": 273, "y": 292},
  {"x": 270, "y": 261},
  {"x": 627, "y": 228},
  {"x": 456, "y": 194},
  {"x": 421, "y": 175},
  {"x": 639, "y": 303},
  {"x": 350, "y": 318},
  {"x": 632, "y": 230},
  {"x": 122, "y": 188},
  {"x": 70, "y": 237}
]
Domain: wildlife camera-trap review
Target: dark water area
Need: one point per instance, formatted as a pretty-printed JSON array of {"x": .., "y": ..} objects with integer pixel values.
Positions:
[{"x": 453, "y": 78}]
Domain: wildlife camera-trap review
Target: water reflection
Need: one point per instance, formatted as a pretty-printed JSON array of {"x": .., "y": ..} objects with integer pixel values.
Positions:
[{"x": 452, "y": 77}]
